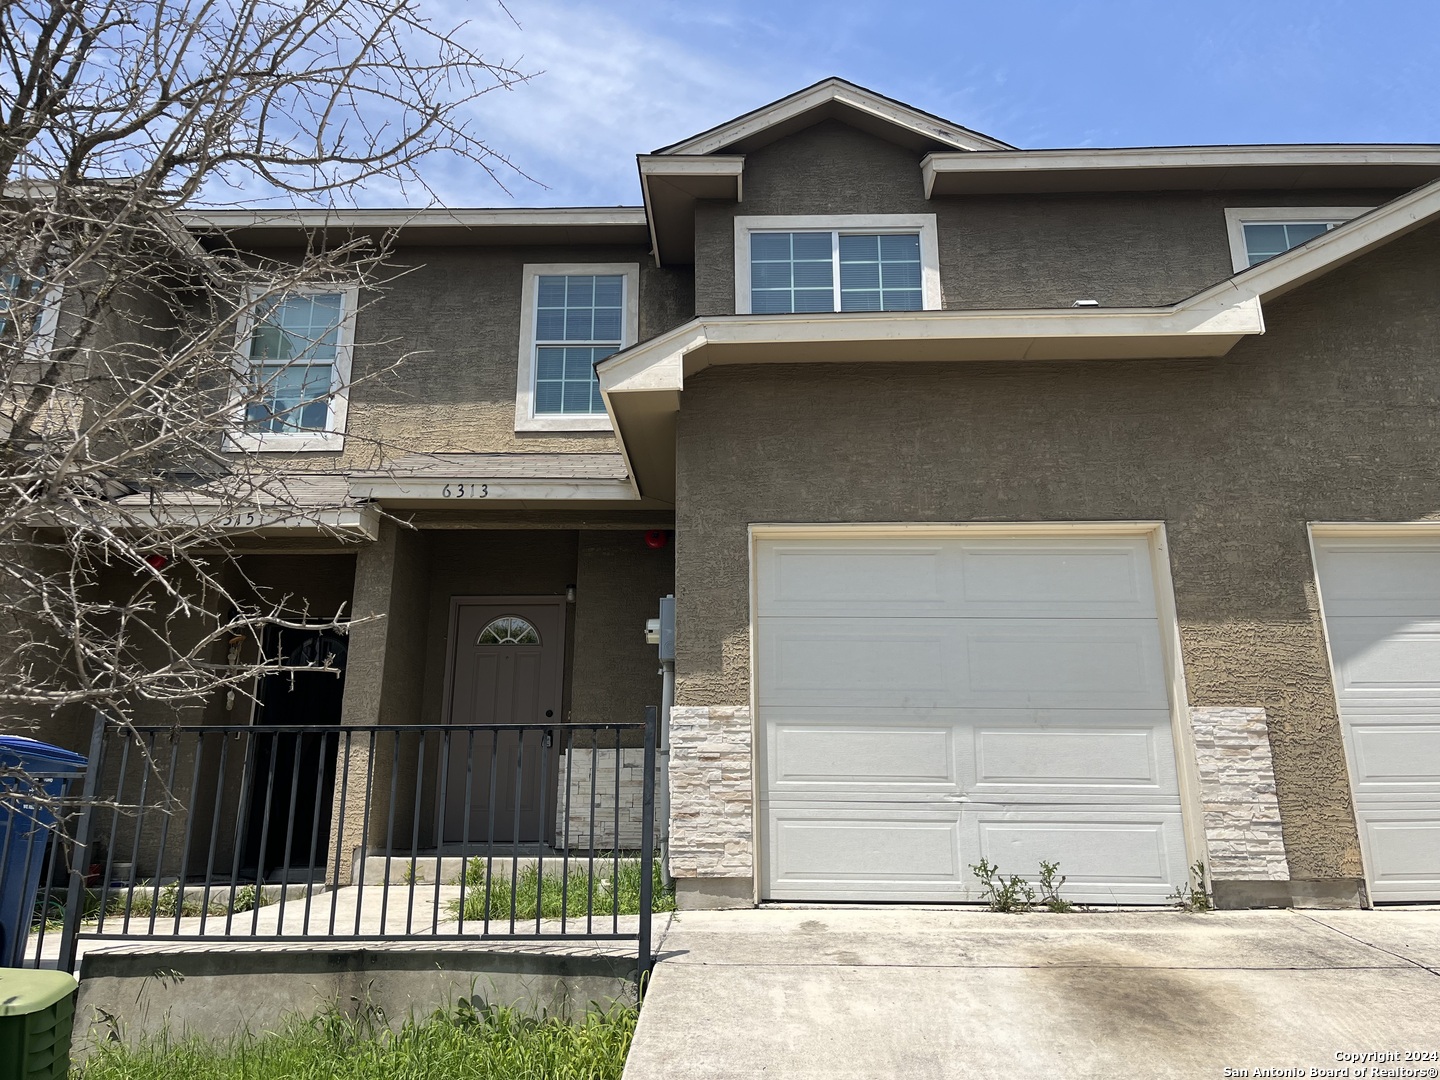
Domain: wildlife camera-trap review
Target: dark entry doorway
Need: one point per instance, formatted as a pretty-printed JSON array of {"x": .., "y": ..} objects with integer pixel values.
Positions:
[{"x": 288, "y": 823}]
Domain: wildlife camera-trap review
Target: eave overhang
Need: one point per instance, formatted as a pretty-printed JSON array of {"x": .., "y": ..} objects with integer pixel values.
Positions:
[
  {"x": 671, "y": 185},
  {"x": 835, "y": 98},
  {"x": 642, "y": 385},
  {"x": 244, "y": 518},
  {"x": 475, "y": 481},
  {"x": 1189, "y": 168},
  {"x": 432, "y": 227},
  {"x": 413, "y": 493}
]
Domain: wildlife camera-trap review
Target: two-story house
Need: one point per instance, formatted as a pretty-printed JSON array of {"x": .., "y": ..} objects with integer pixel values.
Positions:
[{"x": 1027, "y": 505}]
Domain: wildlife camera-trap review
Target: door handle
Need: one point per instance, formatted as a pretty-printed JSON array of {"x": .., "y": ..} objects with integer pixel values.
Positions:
[{"x": 956, "y": 798}]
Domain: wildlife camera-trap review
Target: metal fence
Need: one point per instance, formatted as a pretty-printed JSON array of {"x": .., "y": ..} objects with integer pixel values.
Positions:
[{"x": 368, "y": 833}]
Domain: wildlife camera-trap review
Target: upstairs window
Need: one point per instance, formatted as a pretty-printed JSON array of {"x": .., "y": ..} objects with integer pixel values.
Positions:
[
  {"x": 575, "y": 315},
  {"x": 845, "y": 263},
  {"x": 798, "y": 271},
  {"x": 296, "y": 353},
  {"x": 1259, "y": 233},
  {"x": 28, "y": 313},
  {"x": 578, "y": 321}
]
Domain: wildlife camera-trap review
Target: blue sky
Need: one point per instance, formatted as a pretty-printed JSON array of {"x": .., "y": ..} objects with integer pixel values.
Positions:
[{"x": 620, "y": 78}]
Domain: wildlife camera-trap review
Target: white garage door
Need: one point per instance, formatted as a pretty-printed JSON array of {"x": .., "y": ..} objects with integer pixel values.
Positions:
[
  {"x": 927, "y": 702},
  {"x": 1382, "y": 615}
]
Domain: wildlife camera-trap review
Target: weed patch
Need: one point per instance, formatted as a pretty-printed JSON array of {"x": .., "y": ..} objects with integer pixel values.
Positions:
[
  {"x": 1192, "y": 895},
  {"x": 473, "y": 1040},
  {"x": 576, "y": 894}
]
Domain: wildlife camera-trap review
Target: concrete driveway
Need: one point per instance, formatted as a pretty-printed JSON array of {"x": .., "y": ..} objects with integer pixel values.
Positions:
[{"x": 914, "y": 993}]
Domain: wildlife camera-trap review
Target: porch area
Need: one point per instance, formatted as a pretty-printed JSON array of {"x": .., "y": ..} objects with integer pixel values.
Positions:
[{"x": 343, "y": 848}]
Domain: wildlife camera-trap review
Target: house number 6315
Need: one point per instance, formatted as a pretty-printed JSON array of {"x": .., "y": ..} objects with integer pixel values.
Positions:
[{"x": 465, "y": 491}]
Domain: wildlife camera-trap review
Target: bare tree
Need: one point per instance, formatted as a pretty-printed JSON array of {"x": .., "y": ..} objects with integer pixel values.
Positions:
[{"x": 125, "y": 470}]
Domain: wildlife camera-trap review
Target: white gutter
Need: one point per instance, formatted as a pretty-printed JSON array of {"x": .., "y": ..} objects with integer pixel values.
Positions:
[
  {"x": 411, "y": 218},
  {"x": 1150, "y": 159}
]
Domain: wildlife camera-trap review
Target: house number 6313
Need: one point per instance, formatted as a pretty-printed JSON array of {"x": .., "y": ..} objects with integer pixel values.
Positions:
[{"x": 465, "y": 491}]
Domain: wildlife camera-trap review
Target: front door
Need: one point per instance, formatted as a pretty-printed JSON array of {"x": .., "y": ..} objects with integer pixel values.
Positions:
[
  {"x": 295, "y": 771},
  {"x": 506, "y": 667}
]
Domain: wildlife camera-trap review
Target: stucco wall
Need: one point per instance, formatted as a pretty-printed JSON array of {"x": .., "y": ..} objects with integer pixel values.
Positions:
[
  {"x": 619, "y": 585},
  {"x": 1022, "y": 251},
  {"x": 1331, "y": 415},
  {"x": 485, "y": 563},
  {"x": 446, "y": 324}
]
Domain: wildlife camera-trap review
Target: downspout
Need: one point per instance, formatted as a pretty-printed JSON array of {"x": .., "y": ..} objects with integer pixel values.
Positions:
[
  {"x": 661, "y": 632},
  {"x": 662, "y": 809}
]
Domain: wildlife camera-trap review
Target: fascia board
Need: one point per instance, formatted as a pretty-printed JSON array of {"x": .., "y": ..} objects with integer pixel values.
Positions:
[
  {"x": 478, "y": 489},
  {"x": 708, "y": 165},
  {"x": 1171, "y": 168},
  {"x": 822, "y": 93},
  {"x": 1170, "y": 157},
  {"x": 662, "y": 363},
  {"x": 408, "y": 218},
  {"x": 675, "y": 170},
  {"x": 654, "y": 365},
  {"x": 359, "y": 522}
]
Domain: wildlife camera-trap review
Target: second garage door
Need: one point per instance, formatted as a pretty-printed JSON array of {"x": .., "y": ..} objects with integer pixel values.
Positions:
[
  {"x": 1381, "y": 598},
  {"x": 926, "y": 702}
]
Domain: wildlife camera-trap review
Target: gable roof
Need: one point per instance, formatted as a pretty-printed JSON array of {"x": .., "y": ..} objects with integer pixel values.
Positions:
[{"x": 835, "y": 98}]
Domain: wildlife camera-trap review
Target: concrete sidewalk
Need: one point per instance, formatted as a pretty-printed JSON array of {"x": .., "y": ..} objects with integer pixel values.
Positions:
[{"x": 904, "y": 992}]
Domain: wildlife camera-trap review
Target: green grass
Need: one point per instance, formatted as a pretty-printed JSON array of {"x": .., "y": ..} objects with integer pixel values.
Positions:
[
  {"x": 600, "y": 894},
  {"x": 478, "y": 1042},
  {"x": 141, "y": 901}
]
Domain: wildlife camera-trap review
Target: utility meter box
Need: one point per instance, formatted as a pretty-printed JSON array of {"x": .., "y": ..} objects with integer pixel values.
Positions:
[
  {"x": 667, "y": 628},
  {"x": 661, "y": 631}
]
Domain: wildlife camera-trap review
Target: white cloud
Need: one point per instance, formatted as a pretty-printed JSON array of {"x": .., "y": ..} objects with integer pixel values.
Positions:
[{"x": 615, "y": 82}]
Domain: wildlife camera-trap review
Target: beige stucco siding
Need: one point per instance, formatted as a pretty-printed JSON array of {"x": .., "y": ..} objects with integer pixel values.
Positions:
[
  {"x": 1332, "y": 415},
  {"x": 619, "y": 585},
  {"x": 1128, "y": 249},
  {"x": 437, "y": 347}
]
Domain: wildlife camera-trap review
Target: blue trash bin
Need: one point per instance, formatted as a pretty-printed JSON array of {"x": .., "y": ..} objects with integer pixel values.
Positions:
[{"x": 26, "y": 830}]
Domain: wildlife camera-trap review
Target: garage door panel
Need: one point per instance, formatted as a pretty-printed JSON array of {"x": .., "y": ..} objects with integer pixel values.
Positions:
[
  {"x": 1381, "y": 659},
  {"x": 1034, "y": 577},
  {"x": 894, "y": 662},
  {"x": 859, "y": 751},
  {"x": 848, "y": 577},
  {"x": 959, "y": 663},
  {"x": 1101, "y": 753},
  {"x": 1069, "y": 663},
  {"x": 1405, "y": 849},
  {"x": 1056, "y": 578},
  {"x": 874, "y": 853},
  {"x": 1106, "y": 858},
  {"x": 1389, "y": 756},
  {"x": 1389, "y": 578}
]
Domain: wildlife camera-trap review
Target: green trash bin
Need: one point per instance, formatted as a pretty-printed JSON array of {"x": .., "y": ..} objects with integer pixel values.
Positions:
[{"x": 37, "y": 1012}]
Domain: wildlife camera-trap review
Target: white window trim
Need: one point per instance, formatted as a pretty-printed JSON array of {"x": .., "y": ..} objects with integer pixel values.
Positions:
[
  {"x": 1236, "y": 218},
  {"x": 332, "y": 439},
  {"x": 525, "y": 417},
  {"x": 924, "y": 224},
  {"x": 42, "y": 337}
]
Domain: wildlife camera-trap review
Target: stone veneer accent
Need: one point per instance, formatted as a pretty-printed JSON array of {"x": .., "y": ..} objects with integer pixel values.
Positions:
[
  {"x": 711, "y": 817},
  {"x": 1237, "y": 793},
  {"x": 632, "y": 798}
]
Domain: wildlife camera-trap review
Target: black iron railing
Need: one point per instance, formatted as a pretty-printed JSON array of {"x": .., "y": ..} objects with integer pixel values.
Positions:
[{"x": 537, "y": 832}]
